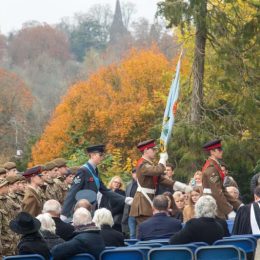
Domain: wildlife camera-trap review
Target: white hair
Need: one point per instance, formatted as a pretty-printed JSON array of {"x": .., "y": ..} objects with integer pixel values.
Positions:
[
  {"x": 52, "y": 206},
  {"x": 103, "y": 216},
  {"x": 47, "y": 223},
  {"x": 206, "y": 206},
  {"x": 81, "y": 217}
]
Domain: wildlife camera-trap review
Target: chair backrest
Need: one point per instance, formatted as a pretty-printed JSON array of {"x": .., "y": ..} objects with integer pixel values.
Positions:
[
  {"x": 218, "y": 252},
  {"x": 147, "y": 243},
  {"x": 251, "y": 237},
  {"x": 24, "y": 257},
  {"x": 125, "y": 253},
  {"x": 192, "y": 247},
  {"x": 82, "y": 257},
  {"x": 131, "y": 241},
  {"x": 170, "y": 253},
  {"x": 245, "y": 243}
]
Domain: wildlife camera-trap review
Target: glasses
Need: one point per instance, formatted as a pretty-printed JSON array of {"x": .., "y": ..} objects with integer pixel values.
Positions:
[{"x": 117, "y": 182}]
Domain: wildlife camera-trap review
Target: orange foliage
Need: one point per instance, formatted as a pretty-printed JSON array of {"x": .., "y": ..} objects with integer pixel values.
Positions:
[{"x": 118, "y": 105}]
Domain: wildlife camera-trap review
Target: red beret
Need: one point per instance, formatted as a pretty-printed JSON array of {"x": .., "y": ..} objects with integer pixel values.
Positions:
[
  {"x": 146, "y": 145},
  {"x": 36, "y": 170}
]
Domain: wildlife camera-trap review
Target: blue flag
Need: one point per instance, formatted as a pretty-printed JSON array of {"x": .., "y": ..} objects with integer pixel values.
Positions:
[{"x": 169, "y": 113}]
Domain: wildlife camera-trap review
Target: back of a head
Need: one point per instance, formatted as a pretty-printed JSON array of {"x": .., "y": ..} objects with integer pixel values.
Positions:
[
  {"x": 47, "y": 223},
  {"x": 81, "y": 217},
  {"x": 206, "y": 207},
  {"x": 257, "y": 191},
  {"x": 52, "y": 206},
  {"x": 161, "y": 203},
  {"x": 103, "y": 216},
  {"x": 83, "y": 203}
]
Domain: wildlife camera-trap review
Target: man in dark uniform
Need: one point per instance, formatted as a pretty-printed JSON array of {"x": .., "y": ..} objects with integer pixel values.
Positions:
[
  {"x": 213, "y": 178},
  {"x": 87, "y": 178}
]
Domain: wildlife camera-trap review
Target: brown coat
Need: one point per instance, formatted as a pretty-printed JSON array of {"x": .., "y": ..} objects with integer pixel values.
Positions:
[
  {"x": 145, "y": 173},
  {"x": 211, "y": 179},
  {"x": 32, "y": 201}
]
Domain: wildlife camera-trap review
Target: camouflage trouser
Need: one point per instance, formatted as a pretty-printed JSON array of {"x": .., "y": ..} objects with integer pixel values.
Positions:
[{"x": 9, "y": 246}]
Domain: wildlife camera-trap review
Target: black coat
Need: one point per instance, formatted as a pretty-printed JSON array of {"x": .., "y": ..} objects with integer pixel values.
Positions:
[
  {"x": 63, "y": 230},
  {"x": 158, "y": 226},
  {"x": 85, "y": 241},
  {"x": 199, "y": 230},
  {"x": 111, "y": 237},
  {"x": 84, "y": 181},
  {"x": 33, "y": 244},
  {"x": 51, "y": 239}
]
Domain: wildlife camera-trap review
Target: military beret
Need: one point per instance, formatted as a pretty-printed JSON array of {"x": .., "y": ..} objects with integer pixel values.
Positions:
[
  {"x": 60, "y": 162},
  {"x": 36, "y": 170},
  {"x": 99, "y": 148},
  {"x": 211, "y": 145},
  {"x": 49, "y": 166},
  {"x": 3, "y": 182},
  {"x": 2, "y": 170},
  {"x": 146, "y": 145},
  {"x": 9, "y": 166},
  {"x": 14, "y": 179}
]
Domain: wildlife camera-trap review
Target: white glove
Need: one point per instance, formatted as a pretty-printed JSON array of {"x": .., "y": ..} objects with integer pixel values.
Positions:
[
  {"x": 63, "y": 218},
  {"x": 232, "y": 215},
  {"x": 129, "y": 200},
  {"x": 163, "y": 158}
]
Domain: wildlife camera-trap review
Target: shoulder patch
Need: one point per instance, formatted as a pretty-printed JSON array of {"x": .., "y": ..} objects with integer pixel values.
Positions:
[{"x": 77, "y": 180}]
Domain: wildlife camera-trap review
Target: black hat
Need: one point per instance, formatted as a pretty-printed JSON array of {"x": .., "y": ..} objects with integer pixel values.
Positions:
[
  {"x": 99, "y": 148},
  {"x": 211, "y": 145},
  {"x": 24, "y": 224},
  {"x": 89, "y": 195},
  {"x": 36, "y": 170}
]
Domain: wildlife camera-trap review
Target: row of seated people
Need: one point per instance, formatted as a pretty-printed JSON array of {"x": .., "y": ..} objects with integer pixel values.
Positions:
[{"x": 92, "y": 235}]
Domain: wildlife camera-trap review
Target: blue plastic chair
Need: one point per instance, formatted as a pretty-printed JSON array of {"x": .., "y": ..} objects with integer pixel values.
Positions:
[
  {"x": 24, "y": 257},
  {"x": 123, "y": 253},
  {"x": 170, "y": 253},
  {"x": 130, "y": 241},
  {"x": 82, "y": 257},
  {"x": 246, "y": 244},
  {"x": 192, "y": 247},
  {"x": 146, "y": 243},
  {"x": 251, "y": 237},
  {"x": 219, "y": 252},
  {"x": 230, "y": 224}
]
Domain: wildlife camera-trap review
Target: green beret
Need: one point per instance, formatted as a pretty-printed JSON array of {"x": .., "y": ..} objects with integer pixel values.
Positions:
[
  {"x": 14, "y": 179},
  {"x": 9, "y": 166},
  {"x": 49, "y": 166},
  {"x": 60, "y": 162},
  {"x": 2, "y": 170}
]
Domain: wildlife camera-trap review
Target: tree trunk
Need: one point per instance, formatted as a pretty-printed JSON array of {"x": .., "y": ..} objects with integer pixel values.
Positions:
[{"x": 198, "y": 66}]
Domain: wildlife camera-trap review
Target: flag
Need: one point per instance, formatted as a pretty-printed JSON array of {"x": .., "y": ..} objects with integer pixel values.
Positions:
[{"x": 170, "y": 110}]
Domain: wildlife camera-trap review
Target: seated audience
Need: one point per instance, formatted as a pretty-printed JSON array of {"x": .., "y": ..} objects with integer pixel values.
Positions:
[
  {"x": 31, "y": 241},
  {"x": 104, "y": 220},
  {"x": 63, "y": 230},
  {"x": 247, "y": 220},
  {"x": 87, "y": 238},
  {"x": 48, "y": 229},
  {"x": 188, "y": 212},
  {"x": 173, "y": 211},
  {"x": 83, "y": 203},
  {"x": 179, "y": 200},
  {"x": 160, "y": 225},
  {"x": 203, "y": 228}
]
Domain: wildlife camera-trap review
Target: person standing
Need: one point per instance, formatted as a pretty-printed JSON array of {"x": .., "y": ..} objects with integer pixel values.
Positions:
[
  {"x": 147, "y": 180},
  {"x": 213, "y": 178},
  {"x": 87, "y": 178}
]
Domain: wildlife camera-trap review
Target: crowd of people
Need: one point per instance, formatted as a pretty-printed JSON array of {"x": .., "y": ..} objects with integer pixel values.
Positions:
[{"x": 54, "y": 210}]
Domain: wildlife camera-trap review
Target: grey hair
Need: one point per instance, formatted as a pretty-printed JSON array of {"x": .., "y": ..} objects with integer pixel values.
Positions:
[
  {"x": 103, "y": 217},
  {"x": 52, "y": 206},
  {"x": 81, "y": 217},
  {"x": 206, "y": 206},
  {"x": 47, "y": 223}
]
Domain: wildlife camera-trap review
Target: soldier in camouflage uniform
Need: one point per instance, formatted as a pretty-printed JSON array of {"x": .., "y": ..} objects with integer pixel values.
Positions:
[
  {"x": 8, "y": 244},
  {"x": 50, "y": 173},
  {"x": 10, "y": 169},
  {"x": 60, "y": 184},
  {"x": 13, "y": 188},
  {"x": 2, "y": 173}
]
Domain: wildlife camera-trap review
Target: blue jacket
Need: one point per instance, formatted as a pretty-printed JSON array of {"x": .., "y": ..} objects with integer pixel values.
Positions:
[{"x": 158, "y": 226}]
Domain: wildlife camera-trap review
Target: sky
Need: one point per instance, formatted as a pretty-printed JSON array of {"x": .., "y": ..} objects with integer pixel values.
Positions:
[{"x": 13, "y": 13}]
